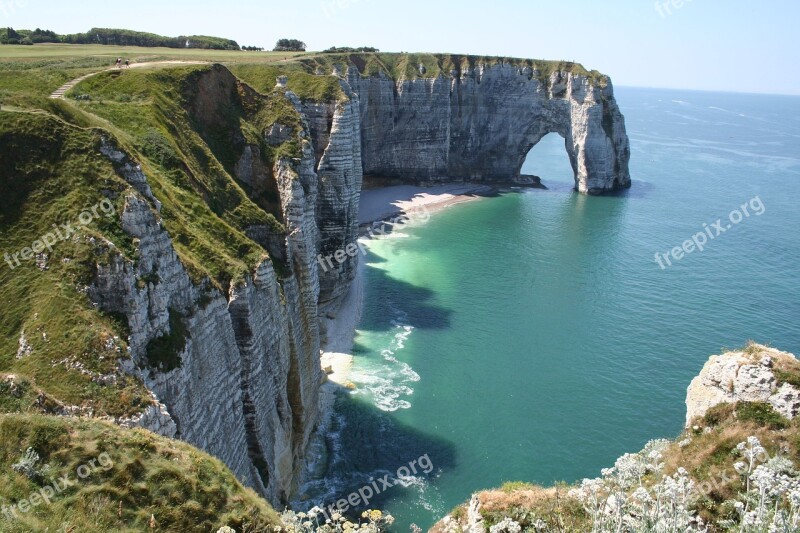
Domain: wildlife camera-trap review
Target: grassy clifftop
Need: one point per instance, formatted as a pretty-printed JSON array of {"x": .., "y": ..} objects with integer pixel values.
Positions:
[
  {"x": 97, "y": 477},
  {"x": 40, "y": 69},
  {"x": 51, "y": 173},
  {"x": 60, "y": 216},
  {"x": 407, "y": 65},
  {"x": 186, "y": 126}
]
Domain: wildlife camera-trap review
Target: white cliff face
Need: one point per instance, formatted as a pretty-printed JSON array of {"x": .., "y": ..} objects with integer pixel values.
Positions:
[
  {"x": 203, "y": 395},
  {"x": 247, "y": 384},
  {"x": 246, "y": 388},
  {"x": 480, "y": 124},
  {"x": 742, "y": 376},
  {"x": 336, "y": 133}
]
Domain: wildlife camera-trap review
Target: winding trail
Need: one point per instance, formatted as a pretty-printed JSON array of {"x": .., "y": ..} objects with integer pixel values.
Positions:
[{"x": 59, "y": 93}]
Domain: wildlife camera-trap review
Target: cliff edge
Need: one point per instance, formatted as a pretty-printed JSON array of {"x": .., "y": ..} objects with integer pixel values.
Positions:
[{"x": 733, "y": 467}]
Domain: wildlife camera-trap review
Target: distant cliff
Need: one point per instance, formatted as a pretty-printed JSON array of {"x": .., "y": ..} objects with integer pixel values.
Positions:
[{"x": 478, "y": 122}]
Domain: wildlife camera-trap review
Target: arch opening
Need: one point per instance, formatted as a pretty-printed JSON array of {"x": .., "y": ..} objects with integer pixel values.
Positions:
[{"x": 550, "y": 160}]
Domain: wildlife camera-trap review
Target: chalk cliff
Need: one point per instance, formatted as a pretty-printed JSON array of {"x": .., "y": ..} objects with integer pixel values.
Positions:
[
  {"x": 244, "y": 383},
  {"x": 749, "y": 375},
  {"x": 245, "y": 386},
  {"x": 479, "y": 122}
]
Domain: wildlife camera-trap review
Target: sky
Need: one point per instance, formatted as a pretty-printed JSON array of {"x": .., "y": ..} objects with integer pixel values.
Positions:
[{"x": 721, "y": 45}]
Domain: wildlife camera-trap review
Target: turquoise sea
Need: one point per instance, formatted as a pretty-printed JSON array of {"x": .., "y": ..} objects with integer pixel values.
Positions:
[{"x": 533, "y": 336}]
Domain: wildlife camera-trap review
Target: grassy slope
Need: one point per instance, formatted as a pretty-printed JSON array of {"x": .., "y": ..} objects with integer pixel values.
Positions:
[
  {"x": 49, "y": 173},
  {"x": 190, "y": 159},
  {"x": 143, "y": 477},
  {"x": 50, "y": 170}
]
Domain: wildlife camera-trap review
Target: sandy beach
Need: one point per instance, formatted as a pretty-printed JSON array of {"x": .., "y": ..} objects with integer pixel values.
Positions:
[
  {"x": 388, "y": 202},
  {"x": 379, "y": 204},
  {"x": 340, "y": 327}
]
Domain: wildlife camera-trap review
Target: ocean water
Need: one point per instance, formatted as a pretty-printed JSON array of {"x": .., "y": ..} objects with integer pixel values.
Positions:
[{"x": 533, "y": 336}]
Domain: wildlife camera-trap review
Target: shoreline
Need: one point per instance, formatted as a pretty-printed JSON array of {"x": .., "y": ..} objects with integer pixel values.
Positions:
[
  {"x": 385, "y": 203},
  {"x": 395, "y": 205}
]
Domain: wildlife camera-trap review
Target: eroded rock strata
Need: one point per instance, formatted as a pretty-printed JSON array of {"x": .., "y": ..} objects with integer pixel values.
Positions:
[
  {"x": 245, "y": 385},
  {"x": 479, "y": 124}
]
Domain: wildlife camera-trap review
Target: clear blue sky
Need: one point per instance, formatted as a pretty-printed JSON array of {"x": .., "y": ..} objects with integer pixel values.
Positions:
[{"x": 731, "y": 45}]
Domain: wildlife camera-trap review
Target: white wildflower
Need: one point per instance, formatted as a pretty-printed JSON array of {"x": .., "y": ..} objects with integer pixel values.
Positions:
[{"x": 506, "y": 525}]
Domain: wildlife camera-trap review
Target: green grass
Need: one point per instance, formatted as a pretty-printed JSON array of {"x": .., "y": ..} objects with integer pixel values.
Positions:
[
  {"x": 109, "y": 53},
  {"x": 787, "y": 370},
  {"x": 306, "y": 84},
  {"x": 51, "y": 168},
  {"x": 137, "y": 478},
  {"x": 186, "y": 140},
  {"x": 529, "y": 503},
  {"x": 50, "y": 172},
  {"x": 406, "y": 66},
  {"x": 511, "y": 486},
  {"x": 762, "y": 414}
]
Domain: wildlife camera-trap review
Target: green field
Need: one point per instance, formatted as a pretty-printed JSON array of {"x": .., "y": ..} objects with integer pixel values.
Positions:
[
  {"x": 135, "y": 53},
  {"x": 29, "y": 74}
]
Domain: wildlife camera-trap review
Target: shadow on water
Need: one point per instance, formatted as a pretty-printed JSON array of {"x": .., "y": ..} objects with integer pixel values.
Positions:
[
  {"x": 423, "y": 314},
  {"x": 638, "y": 189},
  {"x": 368, "y": 445}
]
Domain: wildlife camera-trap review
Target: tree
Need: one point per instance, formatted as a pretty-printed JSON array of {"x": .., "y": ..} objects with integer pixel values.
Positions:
[
  {"x": 289, "y": 45},
  {"x": 350, "y": 50}
]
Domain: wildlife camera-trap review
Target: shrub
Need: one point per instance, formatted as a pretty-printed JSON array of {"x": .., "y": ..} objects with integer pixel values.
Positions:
[{"x": 761, "y": 413}]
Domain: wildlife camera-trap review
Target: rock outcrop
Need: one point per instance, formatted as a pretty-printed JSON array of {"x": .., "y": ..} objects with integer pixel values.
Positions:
[
  {"x": 336, "y": 133},
  {"x": 747, "y": 376},
  {"x": 479, "y": 124},
  {"x": 753, "y": 374}
]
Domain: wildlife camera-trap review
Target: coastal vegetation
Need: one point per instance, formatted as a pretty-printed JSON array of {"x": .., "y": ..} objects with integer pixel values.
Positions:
[{"x": 100, "y": 477}]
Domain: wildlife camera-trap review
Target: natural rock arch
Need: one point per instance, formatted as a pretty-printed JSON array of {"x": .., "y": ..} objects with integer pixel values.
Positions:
[{"x": 480, "y": 124}]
